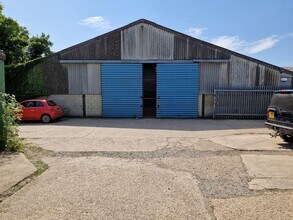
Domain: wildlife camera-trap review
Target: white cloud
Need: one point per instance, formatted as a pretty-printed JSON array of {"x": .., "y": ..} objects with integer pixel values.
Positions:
[
  {"x": 195, "y": 31},
  {"x": 263, "y": 44},
  {"x": 237, "y": 44},
  {"x": 96, "y": 22},
  {"x": 229, "y": 42}
]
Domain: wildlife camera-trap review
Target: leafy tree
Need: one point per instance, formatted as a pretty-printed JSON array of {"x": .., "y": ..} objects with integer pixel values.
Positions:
[
  {"x": 16, "y": 43},
  {"x": 13, "y": 39},
  {"x": 39, "y": 46}
]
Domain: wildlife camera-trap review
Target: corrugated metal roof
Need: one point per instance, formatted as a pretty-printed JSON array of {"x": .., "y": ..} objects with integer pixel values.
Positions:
[
  {"x": 219, "y": 51},
  {"x": 289, "y": 68}
]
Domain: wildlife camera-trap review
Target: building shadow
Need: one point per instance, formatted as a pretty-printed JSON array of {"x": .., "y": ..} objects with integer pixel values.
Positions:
[{"x": 156, "y": 124}]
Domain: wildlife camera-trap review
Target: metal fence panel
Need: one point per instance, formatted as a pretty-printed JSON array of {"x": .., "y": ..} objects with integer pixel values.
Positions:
[{"x": 239, "y": 103}]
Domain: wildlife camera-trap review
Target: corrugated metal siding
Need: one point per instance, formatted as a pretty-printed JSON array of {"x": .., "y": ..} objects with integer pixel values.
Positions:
[
  {"x": 180, "y": 48},
  {"x": 84, "y": 78},
  {"x": 177, "y": 88},
  {"x": 244, "y": 73},
  {"x": 122, "y": 90},
  {"x": 144, "y": 41},
  {"x": 271, "y": 77},
  {"x": 213, "y": 75},
  {"x": 77, "y": 78},
  {"x": 94, "y": 78},
  {"x": 101, "y": 48},
  {"x": 199, "y": 50}
]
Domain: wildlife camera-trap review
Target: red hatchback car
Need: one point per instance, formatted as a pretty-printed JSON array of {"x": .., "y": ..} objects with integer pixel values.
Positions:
[{"x": 44, "y": 110}]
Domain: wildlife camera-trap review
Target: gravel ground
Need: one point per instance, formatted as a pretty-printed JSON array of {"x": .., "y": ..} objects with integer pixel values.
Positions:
[
  {"x": 271, "y": 205},
  {"x": 150, "y": 169},
  {"x": 105, "y": 188}
]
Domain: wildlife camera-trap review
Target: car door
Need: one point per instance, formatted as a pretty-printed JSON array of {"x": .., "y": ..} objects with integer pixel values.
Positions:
[
  {"x": 38, "y": 110},
  {"x": 27, "y": 110}
]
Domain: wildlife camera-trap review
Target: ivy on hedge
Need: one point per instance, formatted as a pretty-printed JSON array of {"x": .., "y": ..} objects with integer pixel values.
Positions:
[{"x": 25, "y": 80}]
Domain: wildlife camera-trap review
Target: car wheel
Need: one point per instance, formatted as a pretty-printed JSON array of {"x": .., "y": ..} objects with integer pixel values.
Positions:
[
  {"x": 287, "y": 138},
  {"x": 46, "y": 118}
]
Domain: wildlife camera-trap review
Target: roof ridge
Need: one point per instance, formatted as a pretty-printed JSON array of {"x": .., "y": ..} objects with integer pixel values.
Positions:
[{"x": 143, "y": 20}]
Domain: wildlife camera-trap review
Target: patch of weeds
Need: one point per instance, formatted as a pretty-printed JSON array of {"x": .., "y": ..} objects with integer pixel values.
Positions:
[
  {"x": 41, "y": 167},
  {"x": 35, "y": 155}
]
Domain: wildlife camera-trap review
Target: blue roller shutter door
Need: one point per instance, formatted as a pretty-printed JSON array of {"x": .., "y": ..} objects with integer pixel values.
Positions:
[
  {"x": 122, "y": 90},
  {"x": 177, "y": 90}
]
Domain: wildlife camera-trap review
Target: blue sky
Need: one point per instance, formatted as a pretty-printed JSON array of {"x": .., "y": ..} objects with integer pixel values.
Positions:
[{"x": 262, "y": 29}]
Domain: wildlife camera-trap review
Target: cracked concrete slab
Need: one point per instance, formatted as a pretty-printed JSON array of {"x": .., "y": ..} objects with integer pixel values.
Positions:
[
  {"x": 276, "y": 205},
  {"x": 133, "y": 144},
  {"x": 271, "y": 183},
  {"x": 13, "y": 169},
  {"x": 105, "y": 188},
  {"x": 219, "y": 176},
  {"x": 132, "y": 134},
  {"x": 269, "y": 171},
  {"x": 258, "y": 142}
]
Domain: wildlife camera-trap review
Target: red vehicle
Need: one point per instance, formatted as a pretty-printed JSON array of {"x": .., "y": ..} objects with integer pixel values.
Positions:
[{"x": 40, "y": 110}]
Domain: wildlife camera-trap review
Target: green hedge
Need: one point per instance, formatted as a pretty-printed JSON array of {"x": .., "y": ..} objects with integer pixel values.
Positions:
[{"x": 25, "y": 80}]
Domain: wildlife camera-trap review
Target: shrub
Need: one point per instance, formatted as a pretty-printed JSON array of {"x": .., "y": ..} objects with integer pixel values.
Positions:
[{"x": 10, "y": 118}]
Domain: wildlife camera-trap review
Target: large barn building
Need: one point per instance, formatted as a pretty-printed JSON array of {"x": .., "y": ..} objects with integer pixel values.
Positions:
[{"x": 147, "y": 70}]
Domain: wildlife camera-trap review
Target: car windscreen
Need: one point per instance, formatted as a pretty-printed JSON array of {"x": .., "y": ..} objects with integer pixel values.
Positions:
[
  {"x": 283, "y": 101},
  {"x": 51, "y": 103}
]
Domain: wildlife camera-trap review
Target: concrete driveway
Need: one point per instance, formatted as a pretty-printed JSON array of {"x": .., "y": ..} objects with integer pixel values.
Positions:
[{"x": 156, "y": 169}]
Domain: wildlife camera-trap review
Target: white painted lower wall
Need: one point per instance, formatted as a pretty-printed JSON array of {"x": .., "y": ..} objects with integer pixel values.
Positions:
[
  {"x": 93, "y": 105},
  {"x": 73, "y": 104}
]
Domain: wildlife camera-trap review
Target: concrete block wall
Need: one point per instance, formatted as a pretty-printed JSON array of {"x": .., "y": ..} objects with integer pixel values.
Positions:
[
  {"x": 205, "y": 106},
  {"x": 93, "y": 105},
  {"x": 72, "y": 104},
  {"x": 209, "y": 106}
]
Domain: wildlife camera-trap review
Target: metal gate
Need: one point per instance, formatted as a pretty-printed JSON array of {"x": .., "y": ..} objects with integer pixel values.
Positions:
[
  {"x": 177, "y": 90},
  {"x": 122, "y": 90},
  {"x": 233, "y": 103}
]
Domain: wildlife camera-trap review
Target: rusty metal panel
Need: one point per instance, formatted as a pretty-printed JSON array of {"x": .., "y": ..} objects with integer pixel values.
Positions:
[
  {"x": 94, "y": 78},
  {"x": 77, "y": 78},
  {"x": 144, "y": 41},
  {"x": 213, "y": 75}
]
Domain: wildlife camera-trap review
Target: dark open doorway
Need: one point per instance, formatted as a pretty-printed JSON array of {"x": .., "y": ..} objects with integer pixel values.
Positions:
[{"x": 149, "y": 90}]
